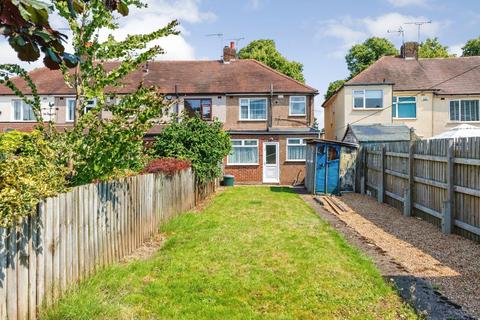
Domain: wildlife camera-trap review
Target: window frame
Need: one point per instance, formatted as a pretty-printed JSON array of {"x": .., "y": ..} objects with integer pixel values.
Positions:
[
  {"x": 303, "y": 142},
  {"x": 460, "y": 110},
  {"x": 244, "y": 146},
  {"x": 290, "y": 107},
  {"x": 201, "y": 107},
  {"x": 66, "y": 110},
  {"x": 249, "y": 99},
  {"x": 396, "y": 103},
  {"x": 21, "y": 112},
  {"x": 364, "y": 91}
]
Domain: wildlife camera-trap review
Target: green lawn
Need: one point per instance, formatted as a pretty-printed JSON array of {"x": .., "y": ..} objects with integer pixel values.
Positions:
[{"x": 253, "y": 253}]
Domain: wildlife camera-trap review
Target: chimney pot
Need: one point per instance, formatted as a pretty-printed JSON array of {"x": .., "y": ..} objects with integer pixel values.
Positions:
[{"x": 232, "y": 45}]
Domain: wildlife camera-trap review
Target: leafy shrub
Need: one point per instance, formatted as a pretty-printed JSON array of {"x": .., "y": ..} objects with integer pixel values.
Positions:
[
  {"x": 30, "y": 169},
  {"x": 204, "y": 144},
  {"x": 168, "y": 166}
]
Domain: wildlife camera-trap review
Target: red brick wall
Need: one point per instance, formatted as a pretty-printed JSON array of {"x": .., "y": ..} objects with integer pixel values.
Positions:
[{"x": 290, "y": 172}]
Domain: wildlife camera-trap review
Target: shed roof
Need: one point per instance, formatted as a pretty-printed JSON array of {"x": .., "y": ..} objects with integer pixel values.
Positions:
[{"x": 379, "y": 132}]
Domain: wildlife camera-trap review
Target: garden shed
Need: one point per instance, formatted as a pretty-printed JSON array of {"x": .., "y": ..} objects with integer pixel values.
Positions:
[
  {"x": 330, "y": 166},
  {"x": 364, "y": 134}
]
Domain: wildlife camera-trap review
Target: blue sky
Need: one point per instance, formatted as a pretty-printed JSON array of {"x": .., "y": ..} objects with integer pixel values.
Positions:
[{"x": 315, "y": 33}]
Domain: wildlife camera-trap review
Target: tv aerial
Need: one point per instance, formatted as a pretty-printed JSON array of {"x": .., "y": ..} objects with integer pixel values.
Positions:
[
  {"x": 419, "y": 24},
  {"x": 400, "y": 32}
]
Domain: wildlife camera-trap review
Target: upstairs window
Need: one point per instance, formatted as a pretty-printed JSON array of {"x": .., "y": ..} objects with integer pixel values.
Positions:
[
  {"x": 22, "y": 111},
  {"x": 367, "y": 99},
  {"x": 296, "y": 149},
  {"x": 404, "y": 107},
  {"x": 298, "y": 106},
  {"x": 201, "y": 107},
  {"x": 244, "y": 152},
  {"x": 253, "y": 109},
  {"x": 464, "y": 110}
]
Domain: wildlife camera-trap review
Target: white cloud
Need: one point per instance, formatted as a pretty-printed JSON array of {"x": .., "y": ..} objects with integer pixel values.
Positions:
[
  {"x": 456, "y": 49},
  {"x": 392, "y": 21},
  {"x": 344, "y": 31},
  {"x": 406, "y": 3},
  {"x": 255, "y": 4},
  {"x": 157, "y": 15},
  {"x": 349, "y": 31}
]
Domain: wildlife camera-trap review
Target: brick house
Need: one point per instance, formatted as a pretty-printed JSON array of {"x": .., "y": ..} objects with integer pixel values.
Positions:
[
  {"x": 430, "y": 95},
  {"x": 267, "y": 114}
]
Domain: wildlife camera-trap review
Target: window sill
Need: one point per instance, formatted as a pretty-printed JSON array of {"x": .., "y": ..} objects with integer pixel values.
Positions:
[
  {"x": 295, "y": 161},
  {"x": 367, "y": 109},
  {"x": 404, "y": 118},
  {"x": 457, "y": 122},
  {"x": 241, "y": 164},
  {"x": 252, "y": 120},
  {"x": 297, "y": 115}
]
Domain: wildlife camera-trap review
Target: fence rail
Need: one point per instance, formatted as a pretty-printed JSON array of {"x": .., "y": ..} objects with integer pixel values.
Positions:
[
  {"x": 438, "y": 180},
  {"x": 76, "y": 233}
]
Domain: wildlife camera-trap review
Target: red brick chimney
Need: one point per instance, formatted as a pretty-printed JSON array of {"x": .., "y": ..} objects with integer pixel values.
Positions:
[
  {"x": 229, "y": 53},
  {"x": 409, "y": 50}
]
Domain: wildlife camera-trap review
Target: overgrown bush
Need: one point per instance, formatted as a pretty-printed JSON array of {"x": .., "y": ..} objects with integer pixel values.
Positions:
[
  {"x": 30, "y": 169},
  {"x": 168, "y": 166},
  {"x": 204, "y": 144}
]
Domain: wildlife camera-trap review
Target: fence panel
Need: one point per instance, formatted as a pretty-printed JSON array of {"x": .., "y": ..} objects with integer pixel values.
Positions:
[
  {"x": 438, "y": 180},
  {"x": 78, "y": 232}
]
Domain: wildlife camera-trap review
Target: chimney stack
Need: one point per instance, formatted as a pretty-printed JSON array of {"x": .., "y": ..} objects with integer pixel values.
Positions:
[
  {"x": 409, "y": 50},
  {"x": 229, "y": 53}
]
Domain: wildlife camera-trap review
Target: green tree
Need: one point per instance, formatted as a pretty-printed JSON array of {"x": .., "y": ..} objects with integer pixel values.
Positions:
[
  {"x": 266, "y": 52},
  {"x": 204, "y": 144},
  {"x": 432, "y": 48},
  {"x": 471, "y": 48},
  {"x": 100, "y": 147},
  {"x": 333, "y": 87},
  {"x": 26, "y": 25},
  {"x": 360, "y": 56},
  {"x": 30, "y": 169}
]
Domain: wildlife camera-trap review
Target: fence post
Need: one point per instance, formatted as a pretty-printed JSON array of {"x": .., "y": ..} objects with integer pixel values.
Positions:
[
  {"x": 381, "y": 182},
  {"x": 448, "y": 218},
  {"x": 363, "y": 170},
  {"x": 408, "y": 204}
]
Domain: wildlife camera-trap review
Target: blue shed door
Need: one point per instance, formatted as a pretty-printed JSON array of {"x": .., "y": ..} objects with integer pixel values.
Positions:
[
  {"x": 328, "y": 165},
  {"x": 321, "y": 169},
  {"x": 333, "y": 167}
]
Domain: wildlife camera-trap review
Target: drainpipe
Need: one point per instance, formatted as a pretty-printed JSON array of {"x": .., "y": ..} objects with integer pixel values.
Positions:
[{"x": 270, "y": 108}]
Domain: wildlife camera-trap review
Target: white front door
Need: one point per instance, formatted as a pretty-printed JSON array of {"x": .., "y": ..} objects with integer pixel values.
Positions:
[{"x": 271, "y": 166}]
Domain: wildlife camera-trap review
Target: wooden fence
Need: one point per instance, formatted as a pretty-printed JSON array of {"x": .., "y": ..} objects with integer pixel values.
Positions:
[
  {"x": 76, "y": 233},
  {"x": 438, "y": 180}
]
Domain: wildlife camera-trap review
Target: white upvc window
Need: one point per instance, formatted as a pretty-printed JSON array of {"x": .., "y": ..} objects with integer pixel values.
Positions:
[
  {"x": 367, "y": 99},
  {"x": 464, "y": 110},
  {"x": 244, "y": 152},
  {"x": 70, "y": 110},
  {"x": 22, "y": 111},
  {"x": 296, "y": 149},
  {"x": 253, "y": 109},
  {"x": 298, "y": 106}
]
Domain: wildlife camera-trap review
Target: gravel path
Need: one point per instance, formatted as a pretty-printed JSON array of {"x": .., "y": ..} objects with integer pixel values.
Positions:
[{"x": 409, "y": 248}]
